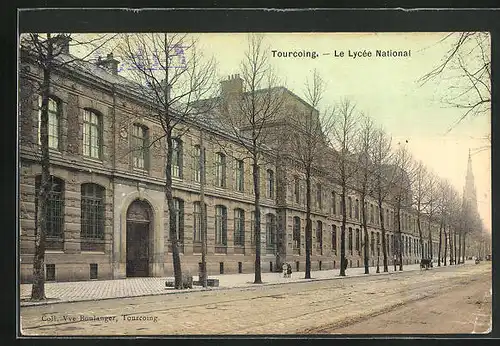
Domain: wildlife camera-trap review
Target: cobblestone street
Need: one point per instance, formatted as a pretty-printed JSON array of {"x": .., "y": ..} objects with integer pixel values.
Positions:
[{"x": 322, "y": 306}]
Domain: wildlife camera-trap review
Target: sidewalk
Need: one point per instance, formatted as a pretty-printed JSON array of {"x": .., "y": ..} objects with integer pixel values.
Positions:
[{"x": 61, "y": 292}]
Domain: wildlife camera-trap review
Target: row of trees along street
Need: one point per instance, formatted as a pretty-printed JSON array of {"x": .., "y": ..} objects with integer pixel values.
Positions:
[{"x": 335, "y": 142}]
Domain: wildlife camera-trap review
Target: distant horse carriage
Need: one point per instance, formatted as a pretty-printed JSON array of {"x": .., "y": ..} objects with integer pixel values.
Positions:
[{"x": 425, "y": 263}]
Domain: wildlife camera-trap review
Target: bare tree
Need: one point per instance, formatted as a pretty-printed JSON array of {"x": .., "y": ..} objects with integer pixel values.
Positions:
[
  {"x": 465, "y": 73},
  {"x": 308, "y": 143},
  {"x": 174, "y": 78},
  {"x": 343, "y": 164},
  {"x": 383, "y": 175},
  {"x": 249, "y": 113},
  {"x": 405, "y": 174},
  {"x": 49, "y": 54},
  {"x": 431, "y": 204},
  {"x": 420, "y": 192},
  {"x": 366, "y": 142}
]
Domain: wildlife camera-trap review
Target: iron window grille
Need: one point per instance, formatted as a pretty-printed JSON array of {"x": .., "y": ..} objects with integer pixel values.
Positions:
[
  {"x": 55, "y": 211},
  {"x": 92, "y": 217}
]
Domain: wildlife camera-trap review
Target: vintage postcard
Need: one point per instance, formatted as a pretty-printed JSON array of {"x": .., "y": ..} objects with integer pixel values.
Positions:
[{"x": 254, "y": 183}]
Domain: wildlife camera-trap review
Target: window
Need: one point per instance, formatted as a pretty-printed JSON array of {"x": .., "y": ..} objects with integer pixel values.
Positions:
[
  {"x": 377, "y": 217},
  {"x": 386, "y": 221},
  {"x": 356, "y": 210},
  {"x": 140, "y": 147},
  {"x": 55, "y": 210},
  {"x": 334, "y": 238},
  {"x": 220, "y": 170},
  {"x": 239, "y": 227},
  {"x": 196, "y": 163},
  {"x": 378, "y": 243},
  {"x": 270, "y": 184},
  {"x": 270, "y": 231},
  {"x": 221, "y": 225},
  {"x": 371, "y": 213},
  {"x": 350, "y": 240},
  {"x": 296, "y": 189},
  {"x": 92, "y": 134},
  {"x": 53, "y": 126},
  {"x": 296, "y": 232},
  {"x": 176, "y": 158},
  {"x": 92, "y": 214},
  {"x": 179, "y": 218},
  {"x": 349, "y": 199},
  {"x": 239, "y": 175},
  {"x": 357, "y": 240},
  {"x": 319, "y": 233},
  {"x": 334, "y": 204},
  {"x": 319, "y": 203},
  {"x": 372, "y": 242},
  {"x": 197, "y": 230}
]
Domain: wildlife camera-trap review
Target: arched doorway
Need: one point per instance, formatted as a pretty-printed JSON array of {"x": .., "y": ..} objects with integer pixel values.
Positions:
[{"x": 139, "y": 221}]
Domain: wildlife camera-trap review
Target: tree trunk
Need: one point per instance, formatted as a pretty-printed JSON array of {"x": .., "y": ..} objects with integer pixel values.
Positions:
[
  {"x": 38, "y": 287},
  {"x": 308, "y": 224},
  {"x": 256, "y": 186},
  {"x": 400, "y": 238},
  {"x": 365, "y": 236},
  {"x": 431, "y": 247},
  {"x": 440, "y": 244},
  {"x": 382, "y": 225},
  {"x": 450, "y": 239},
  {"x": 171, "y": 211},
  {"x": 463, "y": 252},
  {"x": 203, "y": 211},
  {"x": 445, "y": 244},
  {"x": 421, "y": 238},
  {"x": 343, "y": 260},
  {"x": 459, "y": 257}
]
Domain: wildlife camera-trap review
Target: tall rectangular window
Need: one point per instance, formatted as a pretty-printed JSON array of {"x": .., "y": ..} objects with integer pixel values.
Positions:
[
  {"x": 221, "y": 225},
  {"x": 357, "y": 240},
  {"x": 179, "y": 218},
  {"x": 239, "y": 227},
  {"x": 372, "y": 216},
  {"x": 334, "y": 238},
  {"x": 197, "y": 230},
  {"x": 176, "y": 158},
  {"x": 349, "y": 199},
  {"x": 92, "y": 215},
  {"x": 53, "y": 124},
  {"x": 296, "y": 189},
  {"x": 356, "y": 210},
  {"x": 350, "y": 240},
  {"x": 220, "y": 170},
  {"x": 270, "y": 184},
  {"x": 334, "y": 204},
  {"x": 92, "y": 134},
  {"x": 140, "y": 150},
  {"x": 239, "y": 175},
  {"x": 270, "y": 231},
  {"x": 296, "y": 232},
  {"x": 319, "y": 193}
]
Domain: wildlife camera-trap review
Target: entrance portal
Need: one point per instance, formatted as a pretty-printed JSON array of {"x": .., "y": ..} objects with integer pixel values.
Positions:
[{"x": 138, "y": 238}]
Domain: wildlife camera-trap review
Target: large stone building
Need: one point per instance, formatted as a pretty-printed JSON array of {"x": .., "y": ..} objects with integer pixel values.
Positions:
[{"x": 108, "y": 216}]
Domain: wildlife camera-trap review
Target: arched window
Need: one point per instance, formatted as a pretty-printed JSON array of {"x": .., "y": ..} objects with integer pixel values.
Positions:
[
  {"x": 270, "y": 232},
  {"x": 179, "y": 219},
  {"x": 334, "y": 238},
  {"x": 92, "y": 217},
  {"x": 140, "y": 146},
  {"x": 239, "y": 227},
  {"x": 176, "y": 158},
  {"x": 296, "y": 232},
  {"x": 270, "y": 184},
  {"x": 220, "y": 170},
  {"x": 54, "y": 124},
  {"x": 197, "y": 227},
  {"x": 220, "y": 225},
  {"x": 92, "y": 134},
  {"x": 55, "y": 211}
]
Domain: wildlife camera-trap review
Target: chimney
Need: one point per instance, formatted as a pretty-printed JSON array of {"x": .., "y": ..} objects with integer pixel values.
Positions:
[
  {"x": 62, "y": 41},
  {"x": 233, "y": 85},
  {"x": 110, "y": 63}
]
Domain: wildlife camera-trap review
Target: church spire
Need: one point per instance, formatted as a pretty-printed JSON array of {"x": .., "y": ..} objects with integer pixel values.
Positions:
[{"x": 470, "y": 187}]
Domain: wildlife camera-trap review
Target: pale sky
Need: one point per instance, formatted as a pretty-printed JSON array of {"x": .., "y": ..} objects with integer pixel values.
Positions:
[{"x": 385, "y": 89}]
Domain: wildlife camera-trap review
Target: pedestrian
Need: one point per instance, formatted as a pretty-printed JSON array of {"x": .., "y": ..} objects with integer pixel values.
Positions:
[
  {"x": 284, "y": 268},
  {"x": 289, "y": 270}
]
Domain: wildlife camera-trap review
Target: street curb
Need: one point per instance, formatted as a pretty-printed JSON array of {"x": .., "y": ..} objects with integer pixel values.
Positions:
[{"x": 249, "y": 285}]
